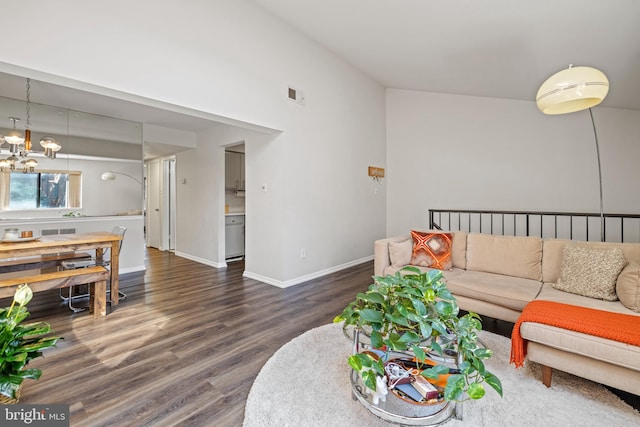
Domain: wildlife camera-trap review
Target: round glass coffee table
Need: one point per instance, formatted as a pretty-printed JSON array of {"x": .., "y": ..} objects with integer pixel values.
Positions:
[{"x": 396, "y": 409}]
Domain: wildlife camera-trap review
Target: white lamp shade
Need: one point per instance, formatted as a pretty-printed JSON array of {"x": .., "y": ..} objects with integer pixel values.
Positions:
[
  {"x": 50, "y": 143},
  {"x": 571, "y": 90},
  {"x": 14, "y": 138}
]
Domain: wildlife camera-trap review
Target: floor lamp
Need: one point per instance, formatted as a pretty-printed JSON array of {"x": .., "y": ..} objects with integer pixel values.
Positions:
[
  {"x": 571, "y": 90},
  {"x": 111, "y": 175}
]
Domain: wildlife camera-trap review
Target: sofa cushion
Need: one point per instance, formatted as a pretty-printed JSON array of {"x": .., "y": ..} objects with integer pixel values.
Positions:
[
  {"x": 628, "y": 286},
  {"x": 506, "y": 291},
  {"x": 593, "y": 347},
  {"x": 459, "y": 249},
  {"x": 552, "y": 254},
  {"x": 591, "y": 272},
  {"x": 549, "y": 293},
  {"x": 431, "y": 249},
  {"x": 509, "y": 255},
  {"x": 400, "y": 252}
]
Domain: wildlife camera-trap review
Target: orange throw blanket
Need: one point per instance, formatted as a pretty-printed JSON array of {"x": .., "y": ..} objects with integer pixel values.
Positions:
[{"x": 614, "y": 326}]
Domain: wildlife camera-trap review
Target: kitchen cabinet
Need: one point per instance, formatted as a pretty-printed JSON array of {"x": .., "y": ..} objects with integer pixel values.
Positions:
[
  {"x": 234, "y": 170},
  {"x": 234, "y": 236}
]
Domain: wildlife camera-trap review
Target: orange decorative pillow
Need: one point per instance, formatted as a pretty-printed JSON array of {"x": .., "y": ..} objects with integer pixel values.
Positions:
[{"x": 431, "y": 250}]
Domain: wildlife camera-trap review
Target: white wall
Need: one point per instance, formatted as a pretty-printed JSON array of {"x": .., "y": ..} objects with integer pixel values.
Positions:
[
  {"x": 463, "y": 152},
  {"x": 236, "y": 61}
]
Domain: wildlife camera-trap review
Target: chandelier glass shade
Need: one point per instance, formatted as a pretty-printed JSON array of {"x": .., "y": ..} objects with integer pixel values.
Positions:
[{"x": 14, "y": 137}]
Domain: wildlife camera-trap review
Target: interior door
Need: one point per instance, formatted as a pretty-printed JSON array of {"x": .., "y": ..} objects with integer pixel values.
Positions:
[
  {"x": 169, "y": 205},
  {"x": 154, "y": 228}
]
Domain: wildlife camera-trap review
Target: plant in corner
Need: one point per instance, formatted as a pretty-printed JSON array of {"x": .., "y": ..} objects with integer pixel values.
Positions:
[
  {"x": 416, "y": 314},
  {"x": 19, "y": 344}
]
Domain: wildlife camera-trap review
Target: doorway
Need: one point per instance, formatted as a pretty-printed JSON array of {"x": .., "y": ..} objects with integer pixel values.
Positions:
[
  {"x": 161, "y": 203},
  {"x": 234, "y": 197}
]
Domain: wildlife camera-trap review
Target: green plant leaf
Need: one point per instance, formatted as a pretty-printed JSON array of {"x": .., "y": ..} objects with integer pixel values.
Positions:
[
  {"x": 378, "y": 367},
  {"x": 402, "y": 310},
  {"x": 429, "y": 295},
  {"x": 372, "y": 297},
  {"x": 439, "y": 327},
  {"x": 425, "y": 329},
  {"x": 494, "y": 382},
  {"x": 8, "y": 387},
  {"x": 419, "y": 306},
  {"x": 397, "y": 319},
  {"x": 435, "y": 372},
  {"x": 445, "y": 309},
  {"x": 410, "y": 337},
  {"x": 360, "y": 361},
  {"x": 476, "y": 391},
  {"x": 370, "y": 315},
  {"x": 446, "y": 295},
  {"x": 369, "y": 379},
  {"x": 454, "y": 388},
  {"x": 411, "y": 269},
  {"x": 355, "y": 362},
  {"x": 465, "y": 367},
  {"x": 483, "y": 353},
  {"x": 436, "y": 347},
  {"x": 33, "y": 374},
  {"x": 419, "y": 353},
  {"x": 434, "y": 275},
  {"x": 376, "y": 340}
]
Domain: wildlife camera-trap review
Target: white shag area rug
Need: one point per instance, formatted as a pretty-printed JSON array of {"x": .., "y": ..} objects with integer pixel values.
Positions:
[{"x": 306, "y": 383}]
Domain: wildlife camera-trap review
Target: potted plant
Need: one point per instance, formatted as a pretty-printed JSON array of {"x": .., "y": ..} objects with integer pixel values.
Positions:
[
  {"x": 416, "y": 313},
  {"x": 19, "y": 344}
]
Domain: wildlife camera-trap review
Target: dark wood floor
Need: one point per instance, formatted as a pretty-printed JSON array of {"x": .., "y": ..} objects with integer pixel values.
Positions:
[{"x": 183, "y": 348}]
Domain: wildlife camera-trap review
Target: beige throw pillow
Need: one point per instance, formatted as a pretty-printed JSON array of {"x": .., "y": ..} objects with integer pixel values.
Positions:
[
  {"x": 628, "y": 287},
  {"x": 400, "y": 253},
  {"x": 590, "y": 272}
]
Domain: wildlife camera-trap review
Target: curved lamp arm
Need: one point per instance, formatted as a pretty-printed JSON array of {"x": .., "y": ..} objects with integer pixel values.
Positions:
[{"x": 111, "y": 175}]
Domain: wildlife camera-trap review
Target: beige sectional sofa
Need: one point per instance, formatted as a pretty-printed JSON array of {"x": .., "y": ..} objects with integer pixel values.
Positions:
[{"x": 497, "y": 276}]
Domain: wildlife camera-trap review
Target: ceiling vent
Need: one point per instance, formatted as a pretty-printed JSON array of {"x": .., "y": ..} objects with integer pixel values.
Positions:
[{"x": 296, "y": 95}]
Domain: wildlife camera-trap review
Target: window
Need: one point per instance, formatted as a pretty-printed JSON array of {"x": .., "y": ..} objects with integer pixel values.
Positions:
[{"x": 40, "y": 190}]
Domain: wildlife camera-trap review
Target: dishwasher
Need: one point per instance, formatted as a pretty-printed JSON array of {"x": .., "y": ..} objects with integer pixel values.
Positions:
[{"x": 234, "y": 236}]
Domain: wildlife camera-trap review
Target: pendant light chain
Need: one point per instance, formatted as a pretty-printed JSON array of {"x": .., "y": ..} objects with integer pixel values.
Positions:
[{"x": 28, "y": 124}]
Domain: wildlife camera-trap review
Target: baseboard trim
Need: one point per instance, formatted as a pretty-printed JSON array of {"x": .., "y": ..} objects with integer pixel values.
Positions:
[
  {"x": 201, "y": 260},
  {"x": 132, "y": 269},
  {"x": 305, "y": 278}
]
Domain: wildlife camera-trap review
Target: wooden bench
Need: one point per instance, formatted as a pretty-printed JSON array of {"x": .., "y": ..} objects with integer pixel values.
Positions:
[
  {"x": 96, "y": 277},
  {"x": 11, "y": 265}
]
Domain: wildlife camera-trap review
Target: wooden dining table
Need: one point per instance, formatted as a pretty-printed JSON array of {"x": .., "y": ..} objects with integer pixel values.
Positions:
[{"x": 27, "y": 249}]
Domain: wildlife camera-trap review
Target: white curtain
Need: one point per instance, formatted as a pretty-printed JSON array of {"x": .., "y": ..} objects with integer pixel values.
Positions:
[{"x": 4, "y": 189}]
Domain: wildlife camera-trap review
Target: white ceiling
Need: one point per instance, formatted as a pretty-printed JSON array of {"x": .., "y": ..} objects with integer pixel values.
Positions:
[{"x": 493, "y": 48}]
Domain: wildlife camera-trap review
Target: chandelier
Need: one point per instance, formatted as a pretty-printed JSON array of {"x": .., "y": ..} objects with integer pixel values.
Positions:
[{"x": 20, "y": 146}]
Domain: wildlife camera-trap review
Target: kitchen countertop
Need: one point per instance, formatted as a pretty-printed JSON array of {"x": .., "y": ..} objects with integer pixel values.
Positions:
[{"x": 234, "y": 213}]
